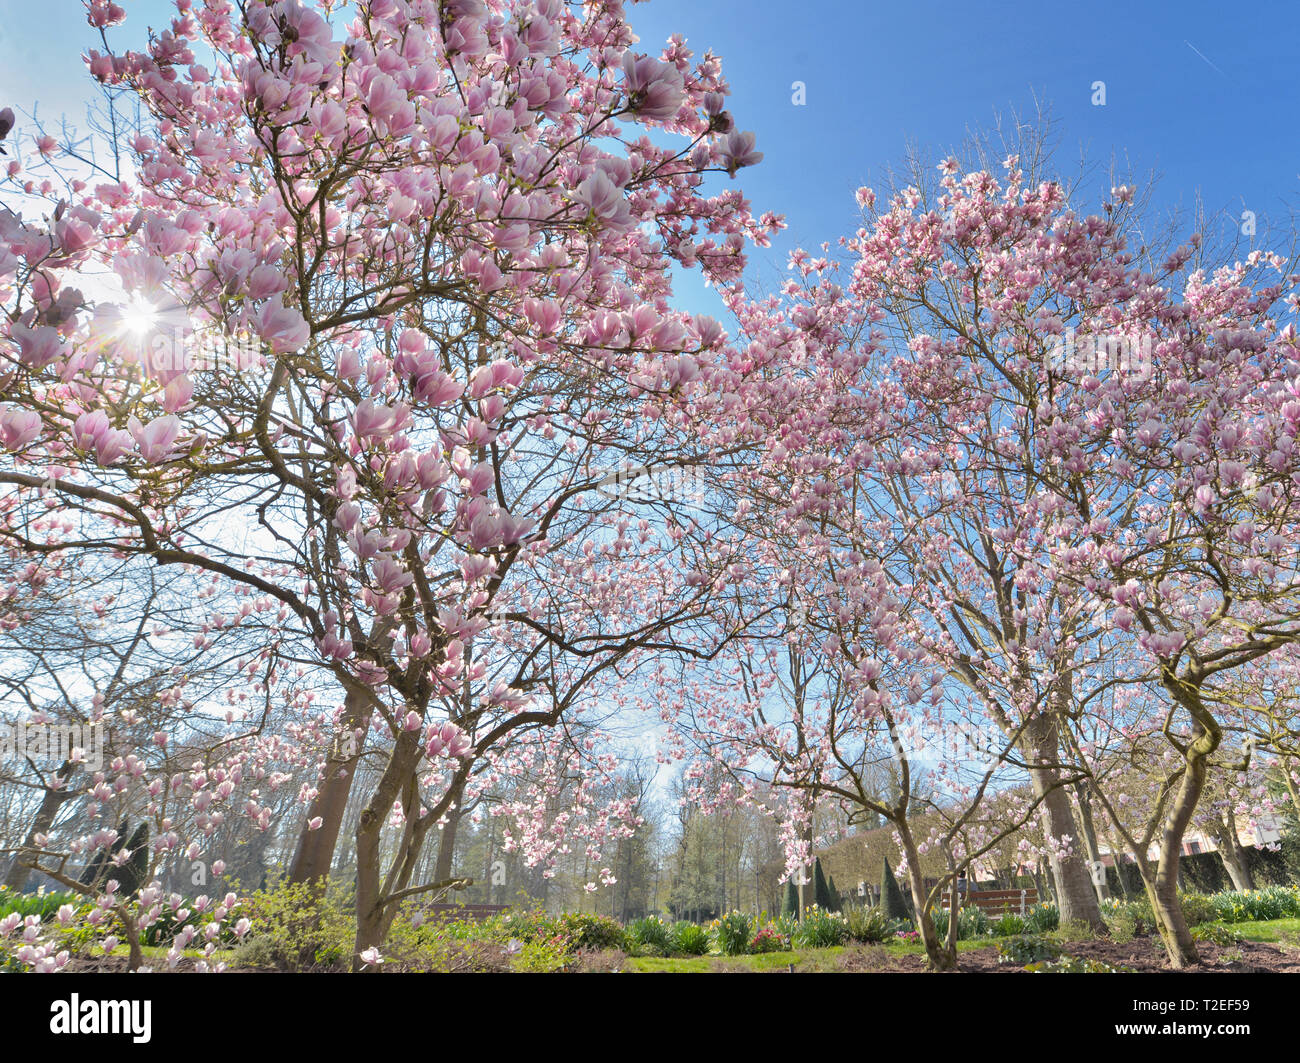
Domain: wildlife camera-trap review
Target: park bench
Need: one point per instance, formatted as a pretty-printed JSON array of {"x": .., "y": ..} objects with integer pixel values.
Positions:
[
  {"x": 475, "y": 912},
  {"x": 997, "y": 903}
]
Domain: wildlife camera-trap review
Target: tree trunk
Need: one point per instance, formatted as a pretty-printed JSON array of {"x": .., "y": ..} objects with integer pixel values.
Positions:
[
  {"x": 373, "y": 915},
  {"x": 315, "y": 852},
  {"x": 1090, "y": 838},
  {"x": 1075, "y": 896},
  {"x": 447, "y": 841},
  {"x": 939, "y": 956},
  {"x": 1231, "y": 851},
  {"x": 1164, "y": 897},
  {"x": 51, "y": 802}
]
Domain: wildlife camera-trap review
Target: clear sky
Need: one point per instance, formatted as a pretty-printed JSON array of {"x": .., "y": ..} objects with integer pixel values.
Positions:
[{"x": 1206, "y": 94}]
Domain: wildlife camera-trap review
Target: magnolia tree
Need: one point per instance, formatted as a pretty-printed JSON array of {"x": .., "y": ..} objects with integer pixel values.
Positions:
[
  {"x": 1065, "y": 467},
  {"x": 1191, "y": 507},
  {"x": 1093, "y": 452},
  {"x": 381, "y": 305},
  {"x": 834, "y": 672}
]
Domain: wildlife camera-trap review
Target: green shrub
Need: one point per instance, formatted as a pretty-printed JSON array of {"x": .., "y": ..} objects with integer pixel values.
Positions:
[
  {"x": 689, "y": 939},
  {"x": 1216, "y": 934},
  {"x": 820, "y": 930},
  {"x": 1197, "y": 908},
  {"x": 1008, "y": 925},
  {"x": 868, "y": 925},
  {"x": 821, "y": 889},
  {"x": 1027, "y": 948},
  {"x": 46, "y": 905},
  {"x": 295, "y": 928},
  {"x": 1271, "y": 902},
  {"x": 597, "y": 932},
  {"x": 972, "y": 923},
  {"x": 732, "y": 934},
  {"x": 651, "y": 934},
  {"x": 1073, "y": 930},
  {"x": 1128, "y": 919},
  {"x": 541, "y": 956},
  {"x": 790, "y": 903},
  {"x": 1042, "y": 917}
]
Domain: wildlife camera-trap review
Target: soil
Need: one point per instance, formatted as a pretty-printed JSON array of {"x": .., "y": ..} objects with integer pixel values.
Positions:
[{"x": 1140, "y": 954}]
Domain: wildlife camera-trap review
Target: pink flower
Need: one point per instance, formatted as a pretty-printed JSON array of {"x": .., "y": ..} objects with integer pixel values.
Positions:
[
  {"x": 282, "y": 327},
  {"x": 372, "y": 420},
  {"x": 88, "y": 429},
  {"x": 264, "y": 282},
  {"x": 177, "y": 394},
  {"x": 604, "y": 200},
  {"x": 155, "y": 440},
  {"x": 739, "y": 151},
  {"x": 19, "y": 427},
  {"x": 655, "y": 89}
]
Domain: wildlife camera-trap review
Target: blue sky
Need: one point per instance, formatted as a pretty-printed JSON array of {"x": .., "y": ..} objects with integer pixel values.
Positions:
[{"x": 1203, "y": 93}]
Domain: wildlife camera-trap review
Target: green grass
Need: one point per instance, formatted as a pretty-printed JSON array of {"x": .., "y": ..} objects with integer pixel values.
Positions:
[
  {"x": 159, "y": 952},
  {"x": 1280, "y": 931},
  {"x": 802, "y": 959},
  {"x": 766, "y": 961}
]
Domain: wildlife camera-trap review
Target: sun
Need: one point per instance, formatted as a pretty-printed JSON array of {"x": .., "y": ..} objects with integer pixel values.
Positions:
[{"x": 139, "y": 316}]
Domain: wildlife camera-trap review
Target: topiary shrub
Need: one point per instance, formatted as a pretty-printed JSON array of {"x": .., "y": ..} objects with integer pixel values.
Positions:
[
  {"x": 891, "y": 897},
  {"x": 821, "y": 889},
  {"x": 790, "y": 900}
]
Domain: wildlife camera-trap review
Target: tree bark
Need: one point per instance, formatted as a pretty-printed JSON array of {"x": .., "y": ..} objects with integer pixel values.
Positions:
[
  {"x": 1169, "y": 912},
  {"x": 1075, "y": 895},
  {"x": 1231, "y": 851},
  {"x": 1090, "y": 837},
  {"x": 447, "y": 840},
  {"x": 373, "y": 916},
  {"x": 939, "y": 955},
  {"x": 51, "y": 802},
  {"x": 315, "y": 852}
]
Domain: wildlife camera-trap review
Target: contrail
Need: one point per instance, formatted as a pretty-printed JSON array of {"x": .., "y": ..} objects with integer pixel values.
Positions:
[{"x": 1202, "y": 55}]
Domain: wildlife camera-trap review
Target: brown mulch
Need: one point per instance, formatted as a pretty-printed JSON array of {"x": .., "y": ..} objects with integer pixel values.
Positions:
[{"x": 1140, "y": 954}]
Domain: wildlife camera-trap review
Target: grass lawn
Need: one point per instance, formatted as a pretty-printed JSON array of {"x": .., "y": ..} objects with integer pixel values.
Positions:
[
  {"x": 1281, "y": 931},
  {"x": 159, "y": 952},
  {"x": 803, "y": 959}
]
